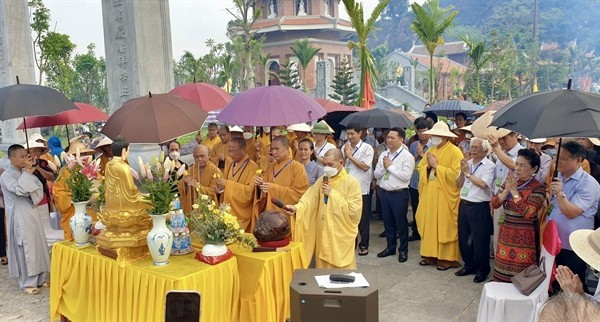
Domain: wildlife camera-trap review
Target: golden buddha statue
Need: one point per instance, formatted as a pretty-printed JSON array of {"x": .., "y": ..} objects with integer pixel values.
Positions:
[{"x": 125, "y": 212}]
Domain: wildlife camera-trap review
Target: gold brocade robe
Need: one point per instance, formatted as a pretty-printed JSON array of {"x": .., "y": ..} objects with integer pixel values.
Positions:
[
  {"x": 437, "y": 214},
  {"x": 288, "y": 182},
  {"x": 239, "y": 190},
  {"x": 329, "y": 230},
  {"x": 219, "y": 148},
  {"x": 206, "y": 179},
  {"x": 210, "y": 143},
  {"x": 61, "y": 194},
  {"x": 251, "y": 150},
  {"x": 265, "y": 144},
  {"x": 121, "y": 192}
]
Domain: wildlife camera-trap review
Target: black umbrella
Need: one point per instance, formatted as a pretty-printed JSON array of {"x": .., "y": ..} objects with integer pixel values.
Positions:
[
  {"x": 449, "y": 108},
  {"x": 378, "y": 118},
  {"x": 23, "y": 100},
  {"x": 561, "y": 113}
]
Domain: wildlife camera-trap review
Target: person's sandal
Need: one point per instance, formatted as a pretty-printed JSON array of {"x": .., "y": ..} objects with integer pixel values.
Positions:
[
  {"x": 424, "y": 263},
  {"x": 32, "y": 291},
  {"x": 45, "y": 285},
  {"x": 363, "y": 252},
  {"x": 4, "y": 261}
]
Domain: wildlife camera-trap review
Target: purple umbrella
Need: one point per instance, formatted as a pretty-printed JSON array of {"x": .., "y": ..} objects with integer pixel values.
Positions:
[{"x": 271, "y": 106}]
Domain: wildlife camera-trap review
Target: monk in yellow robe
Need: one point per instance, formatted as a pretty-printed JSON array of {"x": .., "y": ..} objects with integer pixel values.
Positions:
[
  {"x": 211, "y": 137},
  {"x": 202, "y": 175},
  {"x": 284, "y": 179},
  {"x": 327, "y": 216},
  {"x": 235, "y": 187},
  {"x": 437, "y": 214},
  {"x": 219, "y": 154},
  {"x": 61, "y": 193},
  {"x": 250, "y": 143}
]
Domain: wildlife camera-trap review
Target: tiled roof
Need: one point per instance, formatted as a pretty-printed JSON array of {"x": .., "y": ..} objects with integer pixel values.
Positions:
[
  {"x": 447, "y": 64},
  {"x": 449, "y": 48}
]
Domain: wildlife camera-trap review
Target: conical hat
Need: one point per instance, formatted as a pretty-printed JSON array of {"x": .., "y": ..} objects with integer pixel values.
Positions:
[
  {"x": 481, "y": 127},
  {"x": 440, "y": 129}
]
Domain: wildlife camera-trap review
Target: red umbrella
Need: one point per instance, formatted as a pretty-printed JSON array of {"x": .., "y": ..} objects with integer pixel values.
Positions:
[
  {"x": 332, "y": 106},
  {"x": 209, "y": 97},
  {"x": 83, "y": 114}
]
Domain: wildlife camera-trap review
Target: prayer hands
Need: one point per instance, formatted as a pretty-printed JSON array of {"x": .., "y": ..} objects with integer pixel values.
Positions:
[
  {"x": 556, "y": 187},
  {"x": 347, "y": 149},
  {"x": 419, "y": 149},
  {"x": 511, "y": 182},
  {"x": 258, "y": 181},
  {"x": 432, "y": 160},
  {"x": 386, "y": 162},
  {"x": 464, "y": 166},
  {"x": 568, "y": 281},
  {"x": 326, "y": 189}
]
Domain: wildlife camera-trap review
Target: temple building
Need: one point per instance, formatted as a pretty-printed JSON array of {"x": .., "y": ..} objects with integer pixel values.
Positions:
[{"x": 285, "y": 21}]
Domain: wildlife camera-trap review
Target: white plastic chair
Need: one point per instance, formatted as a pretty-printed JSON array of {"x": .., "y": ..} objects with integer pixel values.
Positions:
[{"x": 504, "y": 302}]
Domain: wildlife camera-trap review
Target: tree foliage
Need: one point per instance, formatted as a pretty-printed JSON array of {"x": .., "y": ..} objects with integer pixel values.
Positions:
[
  {"x": 344, "y": 91},
  {"x": 244, "y": 41},
  {"x": 305, "y": 53},
  {"x": 288, "y": 75}
]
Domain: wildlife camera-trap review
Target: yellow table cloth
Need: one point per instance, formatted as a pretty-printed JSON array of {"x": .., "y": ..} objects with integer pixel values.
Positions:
[
  {"x": 265, "y": 282},
  {"x": 87, "y": 286}
]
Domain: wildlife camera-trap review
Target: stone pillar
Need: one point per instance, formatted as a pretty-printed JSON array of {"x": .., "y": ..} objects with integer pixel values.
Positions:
[
  {"x": 139, "y": 58},
  {"x": 16, "y": 57}
]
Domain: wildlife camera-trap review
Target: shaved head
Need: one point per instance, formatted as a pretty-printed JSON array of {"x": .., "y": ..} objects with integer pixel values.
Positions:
[
  {"x": 282, "y": 139},
  {"x": 336, "y": 154},
  {"x": 200, "y": 149},
  {"x": 200, "y": 154}
]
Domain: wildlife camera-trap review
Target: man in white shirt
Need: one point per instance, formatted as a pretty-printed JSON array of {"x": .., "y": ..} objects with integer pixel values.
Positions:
[
  {"x": 358, "y": 157},
  {"x": 476, "y": 180},
  {"x": 505, "y": 148},
  {"x": 393, "y": 172}
]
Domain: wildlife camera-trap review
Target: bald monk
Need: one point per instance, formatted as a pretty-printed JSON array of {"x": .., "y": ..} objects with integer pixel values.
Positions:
[
  {"x": 284, "y": 179},
  {"x": 219, "y": 154},
  {"x": 236, "y": 186},
  {"x": 203, "y": 175},
  {"x": 328, "y": 229}
]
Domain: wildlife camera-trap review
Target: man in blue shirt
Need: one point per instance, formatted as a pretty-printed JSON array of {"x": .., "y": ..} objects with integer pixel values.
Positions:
[{"x": 574, "y": 203}]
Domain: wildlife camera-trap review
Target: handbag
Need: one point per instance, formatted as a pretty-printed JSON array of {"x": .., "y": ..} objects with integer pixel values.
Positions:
[{"x": 530, "y": 278}]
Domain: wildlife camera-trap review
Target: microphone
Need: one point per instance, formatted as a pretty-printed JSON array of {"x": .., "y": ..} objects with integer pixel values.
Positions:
[
  {"x": 326, "y": 181},
  {"x": 278, "y": 203}
]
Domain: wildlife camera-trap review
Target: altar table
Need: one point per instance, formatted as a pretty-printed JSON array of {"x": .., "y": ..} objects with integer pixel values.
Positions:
[
  {"x": 265, "y": 282},
  {"x": 87, "y": 286}
]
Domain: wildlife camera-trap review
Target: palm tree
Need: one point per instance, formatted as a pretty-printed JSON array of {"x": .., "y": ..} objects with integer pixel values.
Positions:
[
  {"x": 305, "y": 53},
  {"x": 430, "y": 23},
  {"x": 363, "y": 30},
  {"x": 479, "y": 57}
]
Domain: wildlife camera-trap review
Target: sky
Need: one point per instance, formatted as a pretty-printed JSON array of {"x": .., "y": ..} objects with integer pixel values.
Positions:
[{"x": 192, "y": 22}]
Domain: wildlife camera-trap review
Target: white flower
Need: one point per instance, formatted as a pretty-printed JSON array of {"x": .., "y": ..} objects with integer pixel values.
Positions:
[{"x": 141, "y": 166}]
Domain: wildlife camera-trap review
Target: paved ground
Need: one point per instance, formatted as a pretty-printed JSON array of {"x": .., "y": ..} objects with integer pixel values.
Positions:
[{"x": 407, "y": 291}]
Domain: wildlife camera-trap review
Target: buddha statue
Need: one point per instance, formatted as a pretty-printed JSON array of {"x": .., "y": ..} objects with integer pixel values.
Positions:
[{"x": 125, "y": 213}]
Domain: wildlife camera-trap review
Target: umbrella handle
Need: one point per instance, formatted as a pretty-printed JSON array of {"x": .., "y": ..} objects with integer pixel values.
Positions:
[
  {"x": 25, "y": 128},
  {"x": 555, "y": 174}
]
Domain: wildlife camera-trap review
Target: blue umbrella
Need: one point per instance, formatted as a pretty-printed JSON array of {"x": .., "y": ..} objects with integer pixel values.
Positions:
[{"x": 449, "y": 108}]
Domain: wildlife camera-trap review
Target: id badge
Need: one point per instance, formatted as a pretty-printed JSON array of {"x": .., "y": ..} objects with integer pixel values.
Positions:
[
  {"x": 432, "y": 175},
  {"x": 386, "y": 176},
  {"x": 501, "y": 219},
  {"x": 348, "y": 169},
  {"x": 464, "y": 192},
  {"x": 499, "y": 182}
]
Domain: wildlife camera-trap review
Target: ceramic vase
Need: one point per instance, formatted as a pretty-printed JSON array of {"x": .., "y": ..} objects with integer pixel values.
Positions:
[
  {"x": 160, "y": 240},
  {"x": 81, "y": 224},
  {"x": 214, "y": 248}
]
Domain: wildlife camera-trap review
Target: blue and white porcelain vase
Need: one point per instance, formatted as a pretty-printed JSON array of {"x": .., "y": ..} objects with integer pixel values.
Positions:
[
  {"x": 160, "y": 240},
  {"x": 81, "y": 224}
]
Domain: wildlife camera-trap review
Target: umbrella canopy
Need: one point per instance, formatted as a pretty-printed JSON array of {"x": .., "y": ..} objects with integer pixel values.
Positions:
[
  {"x": 333, "y": 106},
  {"x": 378, "y": 118},
  {"x": 208, "y": 96},
  {"x": 560, "y": 113},
  {"x": 495, "y": 106},
  {"x": 449, "y": 108},
  {"x": 23, "y": 100},
  {"x": 83, "y": 114},
  {"x": 271, "y": 106},
  {"x": 154, "y": 119}
]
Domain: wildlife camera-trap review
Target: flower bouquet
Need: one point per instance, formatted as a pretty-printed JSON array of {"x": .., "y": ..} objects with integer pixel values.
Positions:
[
  {"x": 84, "y": 176},
  {"x": 216, "y": 227},
  {"x": 155, "y": 181}
]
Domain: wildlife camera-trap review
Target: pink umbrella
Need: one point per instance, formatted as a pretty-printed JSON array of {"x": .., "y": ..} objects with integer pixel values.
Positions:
[
  {"x": 209, "y": 97},
  {"x": 83, "y": 114},
  {"x": 271, "y": 106}
]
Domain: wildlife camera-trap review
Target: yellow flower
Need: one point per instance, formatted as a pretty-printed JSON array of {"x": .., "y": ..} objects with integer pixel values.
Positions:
[
  {"x": 185, "y": 173},
  {"x": 203, "y": 197},
  {"x": 216, "y": 175},
  {"x": 228, "y": 208},
  {"x": 211, "y": 207},
  {"x": 242, "y": 231},
  {"x": 259, "y": 172}
]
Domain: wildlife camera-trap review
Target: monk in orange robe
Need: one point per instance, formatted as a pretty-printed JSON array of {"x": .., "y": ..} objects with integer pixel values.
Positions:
[
  {"x": 284, "y": 179},
  {"x": 202, "y": 175},
  {"x": 212, "y": 137},
  {"x": 235, "y": 187},
  {"x": 219, "y": 155},
  {"x": 250, "y": 143}
]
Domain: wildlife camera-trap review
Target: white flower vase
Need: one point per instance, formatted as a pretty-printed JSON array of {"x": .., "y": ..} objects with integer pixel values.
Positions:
[
  {"x": 81, "y": 224},
  {"x": 160, "y": 240},
  {"x": 214, "y": 248}
]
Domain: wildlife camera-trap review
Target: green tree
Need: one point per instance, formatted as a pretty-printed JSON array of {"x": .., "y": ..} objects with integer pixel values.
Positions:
[
  {"x": 188, "y": 69},
  {"x": 305, "y": 53},
  {"x": 479, "y": 56},
  {"x": 430, "y": 24},
  {"x": 244, "y": 38},
  {"x": 344, "y": 90},
  {"x": 40, "y": 26},
  {"x": 288, "y": 75},
  {"x": 363, "y": 31},
  {"x": 58, "y": 50},
  {"x": 89, "y": 84}
]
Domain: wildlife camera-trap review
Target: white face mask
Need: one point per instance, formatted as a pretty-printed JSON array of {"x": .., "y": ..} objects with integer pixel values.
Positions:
[
  {"x": 174, "y": 155},
  {"x": 330, "y": 171},
  {"x": 469, "y": 136},
  {"x": 247, "y": 135},
  {"x": 267, "y": 129},
  {"x": 436, "y": 140}
]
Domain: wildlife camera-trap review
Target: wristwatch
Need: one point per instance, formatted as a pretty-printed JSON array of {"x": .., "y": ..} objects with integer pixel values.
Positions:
[
  {"x": 561, "y": 195},
  {"x": 468, "y": 175}
]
